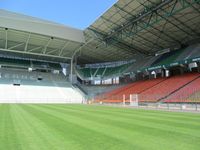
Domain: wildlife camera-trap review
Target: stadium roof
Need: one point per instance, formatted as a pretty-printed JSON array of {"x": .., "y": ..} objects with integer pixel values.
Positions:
[
  {"x": 26, "y": 35},
  {"x": 130, "y": 29},
  {"x": 133, "y": 28}
]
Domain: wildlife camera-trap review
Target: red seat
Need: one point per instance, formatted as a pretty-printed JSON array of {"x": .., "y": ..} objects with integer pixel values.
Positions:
[
  {"x": 155, "y": 89},
  {"x": 183, "y": 95},
  {"x": 166, "y": 87}
]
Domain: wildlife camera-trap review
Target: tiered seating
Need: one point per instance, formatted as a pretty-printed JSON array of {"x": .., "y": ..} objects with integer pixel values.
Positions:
[
  {"x": 189, "y": 93},
  {"x": 140, "y": 87},
  {"x": 100, "y": 71},
  {"x": 38, "y": 64},
  {"x": 55, "y": 66},
  {"x": 190, "y": 52},
  {"x": 195, "y": 97},
  {"x": 52, "y": 88},
  {"x": 20, "y": 63},
  {"x": 167, "y": 58},
  {"x": 155, "y": 89},
  {"x": 109, "y": 71},
  {"x": 135, "y": 88},
  {"x": 141, "y": 63},
  {"x": 13, "y": 62},
  {"x": 116, "y": 70},
  {"x": 93, "y": 90},
  {"x": 166, "y": 87},
  {"x": 86, "y": 72},
  {"x": 117, "y": 91}
]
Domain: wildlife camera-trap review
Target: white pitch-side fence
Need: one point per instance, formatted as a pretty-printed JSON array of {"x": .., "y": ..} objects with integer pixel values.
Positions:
[{"x": 39, "y": 94}]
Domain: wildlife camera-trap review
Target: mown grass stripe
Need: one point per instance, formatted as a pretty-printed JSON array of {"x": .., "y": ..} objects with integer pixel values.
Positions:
[
  {"x": 147, "y": 131},
  {"x": 76, "y": 131},
  {"x": 134, "y": 115},
  {"x": 164, "y": 124},
  {"x": 124, "y": 111},
  {"x": 29, "y": 138},
  {"x": 84, "y": 127},
  {"x": 8, "y": 137},
  {"x": 49, "y": 137},
  {"x": 150, "y": 125}
]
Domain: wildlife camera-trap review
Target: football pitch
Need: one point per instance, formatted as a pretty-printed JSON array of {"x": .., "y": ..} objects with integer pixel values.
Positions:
[{"x": 86, "y": 127}]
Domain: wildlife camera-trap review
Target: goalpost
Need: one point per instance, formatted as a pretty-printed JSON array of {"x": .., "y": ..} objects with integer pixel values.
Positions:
[{"x": 134, "y": 100}]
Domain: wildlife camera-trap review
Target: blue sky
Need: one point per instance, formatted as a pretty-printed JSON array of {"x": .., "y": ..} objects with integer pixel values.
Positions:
[{"x": 75, "y": 13}]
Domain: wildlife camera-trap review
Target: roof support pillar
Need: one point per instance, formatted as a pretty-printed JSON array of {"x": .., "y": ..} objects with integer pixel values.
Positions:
[
  {"x": 71, "y": 71},
  {"x": 73, "y": 56}
]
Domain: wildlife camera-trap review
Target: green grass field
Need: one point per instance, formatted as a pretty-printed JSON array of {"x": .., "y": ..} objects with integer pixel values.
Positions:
[{"x": 84, "y": 127}]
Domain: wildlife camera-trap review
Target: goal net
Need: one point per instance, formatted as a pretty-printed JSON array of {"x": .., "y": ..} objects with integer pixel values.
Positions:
[{"x": 134, "y": 100}]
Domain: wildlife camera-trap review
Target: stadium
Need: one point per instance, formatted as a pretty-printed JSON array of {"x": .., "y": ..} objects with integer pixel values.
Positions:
[{"x": 129, "y": 81}]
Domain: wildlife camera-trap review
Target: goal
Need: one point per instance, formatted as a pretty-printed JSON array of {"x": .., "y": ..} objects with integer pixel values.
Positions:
[{"x": 134, "y": 100}]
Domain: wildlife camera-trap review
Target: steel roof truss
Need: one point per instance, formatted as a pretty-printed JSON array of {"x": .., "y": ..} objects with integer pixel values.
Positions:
[
  {"x": 138, "y": 25},
  {"x": 35, "y": 48},
  {"x": 139, "y": 17},
  {"x": 61, "y": 50},
  {"x": 115, "y": 41},
  {"x": 184, "y": 3},
  {"x": 15, "y": 46},
  {"x": 153, "y": 20},
  {"x": 128, "y": 31},
  {"x": 27, "y": 41},
  {"x": 47, "y": 44},
  {"x": 52, "y": 51}
]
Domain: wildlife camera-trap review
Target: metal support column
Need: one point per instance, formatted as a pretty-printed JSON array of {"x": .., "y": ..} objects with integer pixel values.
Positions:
[{"x": 71, "y": 72}]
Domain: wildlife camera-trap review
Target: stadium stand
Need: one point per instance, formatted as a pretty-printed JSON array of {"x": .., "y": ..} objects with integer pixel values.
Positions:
[
  {"x": 103, "y": 72},
  {"x": 166, "y": 87},
  {"x": 167, "y": 58},
  {"x": 22, "y": 63},
  {"x": 92, "y": 91},
  {"x": 191, "y": 51},
  {"x": 134, "y": 88},
  {"x": 12, "y": 62},
  {"x": 21, "y": 86},
  {"x": 159, "y": 38},
  {"x": 141, "y": 63},
  {"x": 188, "y": 93},
  {"x": 155, "y": 90},
  {"x": 195, "y": 97},
  {"x": 173, "y": 58}
]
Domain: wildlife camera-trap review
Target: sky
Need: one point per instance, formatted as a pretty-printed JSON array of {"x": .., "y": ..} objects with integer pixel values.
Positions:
[{"x": 74, "y": 13}]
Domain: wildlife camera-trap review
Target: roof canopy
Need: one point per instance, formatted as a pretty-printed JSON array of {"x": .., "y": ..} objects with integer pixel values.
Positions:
[
  {"x": 130, "y": 29},
  {"x": 27, "y": 35},
  {"x": 140, "y": 28}
]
